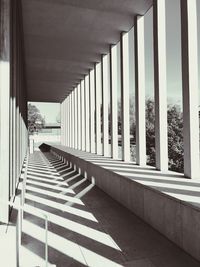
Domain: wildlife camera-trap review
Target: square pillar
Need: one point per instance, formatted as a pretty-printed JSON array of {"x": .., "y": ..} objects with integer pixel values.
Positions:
[
  {"x": 190, "y": 88},
  {"x": 98, "y": 87},
  {"x": 79, "y": 117},
  {"x": 75, "y": 118},
  {"x": 160, "y": 83},
  {"x": 87, "y": 114},
  {"x": 62, "y": 123},
  {"x": 105, "y": 90},
  {"x": 72, "y": 107},
  {"x": 140, "y": 91},
  {"x": 67, "y": 105},
  {"x": 65, "y": 122},
  {"x": 83, "y": 115},
  {"x": 92, "y": 112},
  {"x": 125, "y": 83},
  {"x": 70, "y": 122},
  {"x": 114, "y": 84}
]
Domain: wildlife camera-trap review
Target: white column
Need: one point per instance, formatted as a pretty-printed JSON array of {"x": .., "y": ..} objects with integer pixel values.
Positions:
[
  {"x": 69, "y": 96},
  {"x": 83, "y": 114},
  {"x": 65, "y": 126},
  {"x": 125, "y": 97},
  {"x": 114, "y": 83},
  {"x": 71, "y": 119},
  {"x": 92, "y": 112},
  {"x": 105, "y": 91},
  {"x": 72, "y": 106},
  {"x": 75, "y": 118},
  {"x": 190, "y": 88},
  {"x": 66, "y": 110},
  {"x": 87, "y": 113},
  {"x": 63, "y": 104},
  {"x": 140, "y": 91},
  {"x": 78, "y": 117},
  {"x": 4, "y": 108},
  {"x": 159, "y": 32},
  {"x": 61, "y": 117},
  {"x": 68, "y": 125},
  {"x": 98, "y": 86}
]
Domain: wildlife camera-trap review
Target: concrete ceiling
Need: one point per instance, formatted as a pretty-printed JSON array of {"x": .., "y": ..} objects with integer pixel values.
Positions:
[{"x": 64, "y": 38}]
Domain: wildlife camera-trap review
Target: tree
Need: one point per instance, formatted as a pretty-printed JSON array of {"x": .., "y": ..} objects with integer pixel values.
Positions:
[
  {"x": 175, "y": 138},
  {"x": 150, "y": 132},
  {"x": 58, "y": 118},
  {"x": 175, "y": 135},
  {"x": 35, "y": 119}
]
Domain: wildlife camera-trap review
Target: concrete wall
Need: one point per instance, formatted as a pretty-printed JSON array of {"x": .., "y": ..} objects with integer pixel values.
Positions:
[{"x": 178, "y": 221}]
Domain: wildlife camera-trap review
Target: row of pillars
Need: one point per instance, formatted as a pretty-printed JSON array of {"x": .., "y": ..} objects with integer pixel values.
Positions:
[
  {"x": 81, "y": 110},
  {"x": 13, "y": 105}
]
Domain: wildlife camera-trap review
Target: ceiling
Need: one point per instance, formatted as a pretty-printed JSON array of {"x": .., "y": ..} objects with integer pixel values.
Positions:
[{"x": 64, "y": 38}]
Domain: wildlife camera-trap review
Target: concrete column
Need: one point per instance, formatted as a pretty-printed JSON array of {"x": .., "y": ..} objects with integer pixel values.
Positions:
[
  {"x": 66, "y": 110},
  {"x": 4, "y": 107},
  {"x": 190, "y": 87},
  {"x": 79, "y": 116},
  {"x": 68, "y": 97},
  {"x": 140, "y": 91},
  {"x": 75, "y": 119},
  {"x": 64, "y": 122},
  {"x": 61, "y": 116},
  {"x": 159, "y": 35},
  {"x": 92, "y": 112},
  {"x": 68, "y": 124},
  {"x": 80, "y": 110},
  {"x": 125, "y": 96},
  {"x": 83, "y": 114},
  {"x": 87, "y": 115},
  {"x": 70, "y": 120},
  {"x": 114, "y": 83},
  {"x": 98, "y": 87},
  {"x": 105, "y": 90},
  {"x": 72, "y": 107}
]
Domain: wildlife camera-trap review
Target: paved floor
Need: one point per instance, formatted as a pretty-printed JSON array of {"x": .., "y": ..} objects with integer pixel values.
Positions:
[{"x": 86, "y": 226}]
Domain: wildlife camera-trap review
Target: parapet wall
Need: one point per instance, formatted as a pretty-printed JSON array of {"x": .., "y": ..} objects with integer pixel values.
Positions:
[{"x": 176, "y": 219}]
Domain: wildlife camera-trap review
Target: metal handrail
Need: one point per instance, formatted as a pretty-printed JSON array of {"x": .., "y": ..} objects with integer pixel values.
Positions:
[
  {"x": 43, "y": 214},
  {"x": 21, "y": 209}
]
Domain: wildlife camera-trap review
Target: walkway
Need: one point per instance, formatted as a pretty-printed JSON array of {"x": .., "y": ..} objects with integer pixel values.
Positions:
[{"x": 86, "y": 226}]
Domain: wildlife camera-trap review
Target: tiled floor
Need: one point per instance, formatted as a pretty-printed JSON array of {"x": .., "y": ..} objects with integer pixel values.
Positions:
[{"x": 86, "y": 226}]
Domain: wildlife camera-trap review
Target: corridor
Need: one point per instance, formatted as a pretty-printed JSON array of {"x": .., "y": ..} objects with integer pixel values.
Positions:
[{"x": 85, "y": 226}]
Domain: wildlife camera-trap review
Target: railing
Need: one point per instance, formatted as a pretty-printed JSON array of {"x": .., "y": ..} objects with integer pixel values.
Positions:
[{"x": 19, "y": 220}]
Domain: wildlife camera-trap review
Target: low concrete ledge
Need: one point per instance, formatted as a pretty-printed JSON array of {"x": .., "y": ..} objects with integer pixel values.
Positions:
[{"x": 168, "y": 202}]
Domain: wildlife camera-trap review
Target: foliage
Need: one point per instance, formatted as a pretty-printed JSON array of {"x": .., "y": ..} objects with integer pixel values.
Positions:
[
  {"x": 58, "y": 118},
  {"x": 35, "y": 119},
  {"x": 175, "y": 138},
  {"x": 150, "y": 132},
  {"x": 175, "y": 135}
]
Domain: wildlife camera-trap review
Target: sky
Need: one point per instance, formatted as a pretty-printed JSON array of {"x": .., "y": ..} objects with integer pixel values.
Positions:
[{"x": 48, "y": 110}]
